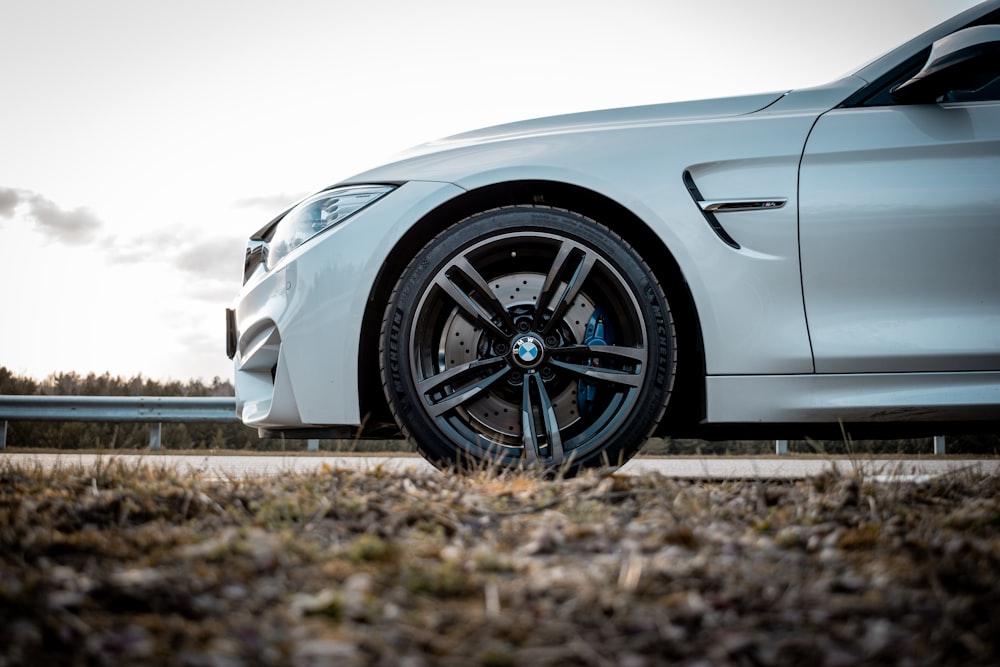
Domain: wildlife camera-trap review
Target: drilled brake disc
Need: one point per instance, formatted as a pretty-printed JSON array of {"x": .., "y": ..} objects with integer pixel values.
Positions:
[{"x": 499, "y": 409}]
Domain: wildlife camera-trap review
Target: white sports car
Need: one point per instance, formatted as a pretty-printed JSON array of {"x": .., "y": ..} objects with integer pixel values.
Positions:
[{"x": 552, "y": 292}]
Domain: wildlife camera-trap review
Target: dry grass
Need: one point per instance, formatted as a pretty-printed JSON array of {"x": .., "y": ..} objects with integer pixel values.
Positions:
[{"x": 138, "y": 564}]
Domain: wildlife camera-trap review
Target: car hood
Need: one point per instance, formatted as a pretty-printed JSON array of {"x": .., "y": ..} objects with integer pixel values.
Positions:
[
  {"x": 606, "y": 119},
  {"x": 432, "y": 161}
]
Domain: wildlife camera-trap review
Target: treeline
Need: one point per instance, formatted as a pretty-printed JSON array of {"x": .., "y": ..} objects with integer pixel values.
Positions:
[
  {"x": 235, "y": 436},
  {"x": 129, "y": 435}
]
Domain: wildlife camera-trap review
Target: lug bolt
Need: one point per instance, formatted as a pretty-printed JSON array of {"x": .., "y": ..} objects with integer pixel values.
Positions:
[
  {"x": 546, "y": 372},
  {"x": 500, "y": 348},
  {"x": 523, "y": 326},
  {"x": 551, "y": 340}
]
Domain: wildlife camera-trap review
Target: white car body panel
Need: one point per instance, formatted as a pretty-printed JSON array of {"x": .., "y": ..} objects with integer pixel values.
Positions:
[
  {"x": 852, "y": 397},
  {"x": 730, "y": 157},
  {"x": 888, "y": 189},
  {"x": 311, "y": 302},
  {"x": 807, "y": 320}
]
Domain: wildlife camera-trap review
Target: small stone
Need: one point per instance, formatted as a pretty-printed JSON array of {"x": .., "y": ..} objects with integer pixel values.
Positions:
[{"x": 325, "y": 653}]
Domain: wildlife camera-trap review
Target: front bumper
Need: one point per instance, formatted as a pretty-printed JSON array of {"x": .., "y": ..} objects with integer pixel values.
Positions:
[{"x": 294, "y": 332}]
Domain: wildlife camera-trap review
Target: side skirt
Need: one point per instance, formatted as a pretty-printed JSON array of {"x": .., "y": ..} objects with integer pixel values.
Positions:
[{"x": 855, "y": 398}]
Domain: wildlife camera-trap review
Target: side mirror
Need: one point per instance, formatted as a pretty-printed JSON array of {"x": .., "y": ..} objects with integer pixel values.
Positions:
[{"x": 965, "y": 60}]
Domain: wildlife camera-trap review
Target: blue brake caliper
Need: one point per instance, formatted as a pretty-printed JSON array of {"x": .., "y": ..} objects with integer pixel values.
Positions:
[{"x": 598, "y": 332}]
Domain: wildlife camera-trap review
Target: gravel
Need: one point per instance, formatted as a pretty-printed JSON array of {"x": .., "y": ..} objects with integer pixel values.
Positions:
[{"x": 140, "y": 564}]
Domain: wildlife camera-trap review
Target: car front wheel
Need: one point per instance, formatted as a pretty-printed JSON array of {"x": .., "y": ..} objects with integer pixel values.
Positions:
[{"x": 527, "y": 336}]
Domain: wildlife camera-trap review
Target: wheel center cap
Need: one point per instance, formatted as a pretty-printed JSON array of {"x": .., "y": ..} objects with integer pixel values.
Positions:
[{"x": 527, "y": 351}]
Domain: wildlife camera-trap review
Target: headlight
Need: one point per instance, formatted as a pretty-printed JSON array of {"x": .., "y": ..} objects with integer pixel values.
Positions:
[{"x": 319, "y": 213}]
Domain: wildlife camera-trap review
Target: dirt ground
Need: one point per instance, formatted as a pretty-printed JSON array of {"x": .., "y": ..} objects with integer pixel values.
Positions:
[{"x": 137, "y": 564}]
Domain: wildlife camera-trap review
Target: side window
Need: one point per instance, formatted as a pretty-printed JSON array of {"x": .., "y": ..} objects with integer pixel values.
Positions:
[
  {"x": 986, "y": 88},
  {"x": 882, "y": 97}
]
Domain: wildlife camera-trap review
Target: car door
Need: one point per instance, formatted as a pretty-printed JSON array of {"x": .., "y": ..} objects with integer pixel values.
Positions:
[{"x": 900, "y": 237}]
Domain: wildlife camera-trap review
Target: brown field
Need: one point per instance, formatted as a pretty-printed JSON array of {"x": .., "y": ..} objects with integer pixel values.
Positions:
[{"x": 137, "y": 564}]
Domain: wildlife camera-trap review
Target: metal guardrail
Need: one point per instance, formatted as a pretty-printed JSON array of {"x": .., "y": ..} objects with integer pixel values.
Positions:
[
  {"x": 158, "y": 409},
  {"x": 152, "y": 409},
  {"x": 781, "y": 446}
]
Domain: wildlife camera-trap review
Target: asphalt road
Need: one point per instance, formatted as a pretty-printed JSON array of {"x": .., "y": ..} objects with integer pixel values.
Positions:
[{"x": 785, "y": 467}]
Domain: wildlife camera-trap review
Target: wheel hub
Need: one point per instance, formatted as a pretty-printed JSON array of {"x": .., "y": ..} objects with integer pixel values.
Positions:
[
  {"x": 527, "y": 351},
  {"x": 463, "y": 342}
]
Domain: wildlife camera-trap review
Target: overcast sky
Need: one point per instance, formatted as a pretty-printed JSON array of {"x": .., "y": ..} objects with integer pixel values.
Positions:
[{"x": 142, "y": 141}]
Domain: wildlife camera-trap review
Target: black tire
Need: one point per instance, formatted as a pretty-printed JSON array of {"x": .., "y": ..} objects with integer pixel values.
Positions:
[{"x": 479, "y": 375}]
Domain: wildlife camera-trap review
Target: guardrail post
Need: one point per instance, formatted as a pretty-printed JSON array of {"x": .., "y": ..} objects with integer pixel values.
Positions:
[
  {"x": 939, "y": 444},
  {"x": 3, "y": 435},
  {"x": 781, "y": 447},
  {"x": 154, "y": 435},
  {"x": 312, "y": 445}
]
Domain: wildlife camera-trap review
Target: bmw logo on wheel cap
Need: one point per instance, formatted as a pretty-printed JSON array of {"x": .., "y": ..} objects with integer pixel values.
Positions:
[{"x": 527, "y": 351}]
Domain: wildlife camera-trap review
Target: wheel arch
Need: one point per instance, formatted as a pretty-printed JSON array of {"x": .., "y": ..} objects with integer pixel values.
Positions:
[{"x": 687, "y": 404}]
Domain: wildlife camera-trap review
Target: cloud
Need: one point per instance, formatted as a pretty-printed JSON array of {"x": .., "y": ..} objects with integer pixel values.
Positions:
[
  {"x": 76, "y": 227},
  {"x": 217, "y": 258},
  {"x": 214, "y": 265},
  {"x": 73, "y": 227},
  {"x": 9, "y": 201},
  {"x": 213, "y": 259},
  {"x": 141, "y": 248}
]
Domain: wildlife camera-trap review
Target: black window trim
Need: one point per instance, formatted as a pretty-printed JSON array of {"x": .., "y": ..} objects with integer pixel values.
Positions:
[{"x": 877, "y": 94}]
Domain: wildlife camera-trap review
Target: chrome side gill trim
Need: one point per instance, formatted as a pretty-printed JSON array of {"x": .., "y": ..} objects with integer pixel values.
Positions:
[{"x": 733, "y": 205}]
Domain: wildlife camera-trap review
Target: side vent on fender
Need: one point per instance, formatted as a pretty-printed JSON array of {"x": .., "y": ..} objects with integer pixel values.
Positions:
[{"x": 713, "y": 222}]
